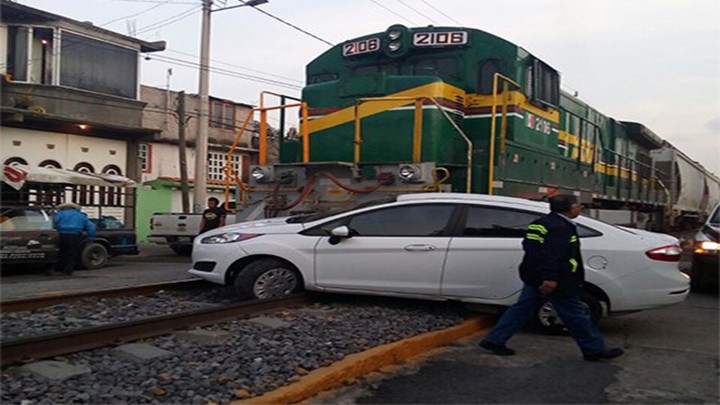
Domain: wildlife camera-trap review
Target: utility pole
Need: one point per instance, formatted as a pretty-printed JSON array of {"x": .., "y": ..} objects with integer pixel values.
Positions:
[
  {"x": 201, "y": 142},
  {"x": 183, "y": 153}
]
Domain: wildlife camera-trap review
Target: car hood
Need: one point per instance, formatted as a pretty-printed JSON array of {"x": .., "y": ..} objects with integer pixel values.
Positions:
[
  {"x": 269, "y": 225},
  {"x": 653, "y": 237}
]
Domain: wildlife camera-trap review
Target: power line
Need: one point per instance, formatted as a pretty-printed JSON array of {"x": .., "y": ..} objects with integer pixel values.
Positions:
[
  {"x": 237, "y": 66},
  {"x": 136, "y": 14},
  {"x": 290, "y": 25},
  {"x": 170, "y": 20},
  {"x": 393, "y": 12},
  {"x": 158, "y": 1},
  {"x": 416, "y": 11},
  {"x": 439, "y": 11},
  {"x": 230, "y": 73}
]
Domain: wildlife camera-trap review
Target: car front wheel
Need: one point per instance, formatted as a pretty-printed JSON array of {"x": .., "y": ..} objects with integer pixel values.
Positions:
[
  {"x": 267, "y": 278},
  {"x": 549, "y": 321}
]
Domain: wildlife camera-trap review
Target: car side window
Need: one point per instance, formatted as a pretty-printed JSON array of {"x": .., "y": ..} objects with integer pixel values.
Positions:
[
  {"x": 497, "y": 222},
  {"x": 585, "y": 232},
  {"x": 406, "y": 220},
  {"x": 25, "y": 220}
]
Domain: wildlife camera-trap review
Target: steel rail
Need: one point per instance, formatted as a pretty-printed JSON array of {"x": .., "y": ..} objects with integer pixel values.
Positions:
[
  {"x": 23, "y": 350},
  {"x": 28, "y": 304}
]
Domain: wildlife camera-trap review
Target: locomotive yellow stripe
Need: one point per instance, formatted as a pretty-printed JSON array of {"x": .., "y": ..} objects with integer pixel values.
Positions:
[
  {"x": 435, "y": 90},
  {"x": 513, "y": 98}
]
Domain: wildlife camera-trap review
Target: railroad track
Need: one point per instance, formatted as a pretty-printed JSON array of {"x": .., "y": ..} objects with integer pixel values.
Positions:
[
  {"x": 28, "y": 304},
  {"x": 39, "y": 347}
]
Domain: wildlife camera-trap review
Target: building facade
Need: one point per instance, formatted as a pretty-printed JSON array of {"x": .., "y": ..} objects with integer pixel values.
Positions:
[
  {"x": 70, "y": 94},
  {"x": 161, "y": 189}
]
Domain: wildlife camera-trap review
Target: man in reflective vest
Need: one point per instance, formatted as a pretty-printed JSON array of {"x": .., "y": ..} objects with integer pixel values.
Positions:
[{"x": 552, "y": 270}]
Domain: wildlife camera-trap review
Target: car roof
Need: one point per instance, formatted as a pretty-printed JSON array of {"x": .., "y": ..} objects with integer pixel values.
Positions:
[{"x": 467, "y": 197}]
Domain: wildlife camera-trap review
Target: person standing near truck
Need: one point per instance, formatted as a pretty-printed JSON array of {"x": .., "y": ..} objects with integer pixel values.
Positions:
[
  {"x": 213, "y": 217},
  {"x": 70, "y": 223}
]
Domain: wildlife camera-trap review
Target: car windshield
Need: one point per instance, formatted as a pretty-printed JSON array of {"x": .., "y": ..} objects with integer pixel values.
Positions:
[
  {"x": 715, "y": 219},
  {"x": 301, "y": 219}
]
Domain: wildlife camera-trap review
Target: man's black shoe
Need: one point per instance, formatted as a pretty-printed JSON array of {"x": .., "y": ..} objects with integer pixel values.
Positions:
[
  {"x": 500, "y": 350},
  {"x": 606, "y": 354}
]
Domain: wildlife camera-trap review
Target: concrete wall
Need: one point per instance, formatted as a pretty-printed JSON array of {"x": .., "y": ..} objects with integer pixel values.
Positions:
[
  {"x": 159, "y": 114},
  {"x": 66, "y": 149}
]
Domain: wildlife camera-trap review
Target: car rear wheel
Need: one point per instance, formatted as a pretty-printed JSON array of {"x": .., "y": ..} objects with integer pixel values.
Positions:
[
  {"x": 94, "y": 256},
  {"x": 549, "y": 321},
  {"x": 267, "y": 278}
]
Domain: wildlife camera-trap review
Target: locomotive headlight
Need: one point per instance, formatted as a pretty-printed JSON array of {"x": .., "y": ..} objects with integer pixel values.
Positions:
[
  {"x": 258, "y": 173},
  {"x": 394, "y": 46},
  {"x": 408, "y": 173},
  {"x": 394, "y": 34},
  {"x": 262, "y": 174}
]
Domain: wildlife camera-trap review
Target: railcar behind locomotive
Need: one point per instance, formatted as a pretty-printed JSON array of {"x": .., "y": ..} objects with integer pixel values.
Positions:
[{"x": 449, "y": 109}]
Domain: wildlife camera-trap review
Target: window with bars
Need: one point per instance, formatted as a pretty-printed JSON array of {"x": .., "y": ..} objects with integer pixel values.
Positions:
[
  {"x": 145, "y": 157},
  {"x": 216, "y": 165}
]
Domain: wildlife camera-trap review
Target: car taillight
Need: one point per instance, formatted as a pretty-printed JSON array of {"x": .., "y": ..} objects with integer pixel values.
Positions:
[{"x": 666, "y": 253}]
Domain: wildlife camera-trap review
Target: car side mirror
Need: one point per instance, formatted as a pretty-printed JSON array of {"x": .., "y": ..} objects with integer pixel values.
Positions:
[{"x": 338, "y": 234}]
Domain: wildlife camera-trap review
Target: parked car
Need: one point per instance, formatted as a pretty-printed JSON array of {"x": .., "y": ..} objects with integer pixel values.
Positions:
[
  {"x": 440, "y": 246},
  {"x": 705, "y": 264},
  {"x": 27, "y": 237},
  {"x": 178, "y": 230}
]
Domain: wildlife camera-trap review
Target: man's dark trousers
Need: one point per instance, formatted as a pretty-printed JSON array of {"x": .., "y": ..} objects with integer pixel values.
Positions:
[
  {"x": 570, "y": 308},
  {"x": 70, "y": 248}
]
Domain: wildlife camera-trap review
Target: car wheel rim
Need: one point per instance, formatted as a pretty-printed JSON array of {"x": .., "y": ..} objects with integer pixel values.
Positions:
[
  {"x": 96, "y": 257},
  {"x": 548, "y": 316},
  {"x": 275, "y": 283}
]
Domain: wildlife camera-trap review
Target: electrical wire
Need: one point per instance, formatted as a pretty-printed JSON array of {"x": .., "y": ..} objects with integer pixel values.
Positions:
[
  {"x": 195, "y": 65},
  {"x": 393, "y": 12},
  {"x": 136, "y": 14},
  {"x": 417, "y": 11},
  {"x": 289, "y": 24},
  {"x": 170, "y": 20},
  {"x": 237, "y": 66},
  {"x": 440, "y": 11}
]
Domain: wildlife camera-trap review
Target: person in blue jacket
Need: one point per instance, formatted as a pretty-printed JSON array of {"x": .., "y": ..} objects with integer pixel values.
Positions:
[
  {"x": 552, "y": 269},
  {"x": 70, "y": 223}
]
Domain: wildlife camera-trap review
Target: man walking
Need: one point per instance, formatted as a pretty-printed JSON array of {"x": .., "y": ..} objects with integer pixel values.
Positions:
[
  {"x": 213, "y": 217},
  {"x": 70, "y": 223},
  {"x": 552, "y": 269}
]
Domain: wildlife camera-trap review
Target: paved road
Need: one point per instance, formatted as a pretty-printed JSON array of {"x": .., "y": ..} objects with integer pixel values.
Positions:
[
  {"x": 671, "y": 357},
  {"x": 154, "y": 264}
]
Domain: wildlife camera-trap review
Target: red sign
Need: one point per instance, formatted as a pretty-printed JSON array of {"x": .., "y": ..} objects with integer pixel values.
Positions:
[{"x": 14, "y": 176}]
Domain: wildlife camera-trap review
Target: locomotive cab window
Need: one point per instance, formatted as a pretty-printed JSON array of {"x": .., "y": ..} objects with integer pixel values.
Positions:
[
  {"x": 486, "y": 73},
  {"x": 435, "y": 67},
  {"x": 542, "y": 83},
  {"x": 389, "y": 68},
  {"x": 322, "y": 78}
]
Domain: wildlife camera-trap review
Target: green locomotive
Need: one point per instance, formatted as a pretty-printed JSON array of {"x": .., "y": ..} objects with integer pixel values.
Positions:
[{"x": 454, "y": 110}]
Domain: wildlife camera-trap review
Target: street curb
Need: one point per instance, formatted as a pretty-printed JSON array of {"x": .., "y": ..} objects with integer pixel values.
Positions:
[{"x": 359, "y": 364}]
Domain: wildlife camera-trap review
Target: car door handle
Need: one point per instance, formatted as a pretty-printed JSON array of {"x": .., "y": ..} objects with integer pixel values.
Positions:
[{"x": 420, "y": 248}]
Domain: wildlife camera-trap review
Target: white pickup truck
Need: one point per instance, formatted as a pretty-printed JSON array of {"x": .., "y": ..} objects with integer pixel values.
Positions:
[{"x": 177, "y": 230}]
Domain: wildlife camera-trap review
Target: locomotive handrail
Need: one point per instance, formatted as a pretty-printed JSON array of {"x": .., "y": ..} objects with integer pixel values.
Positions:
[
  {"x": 417, "y": 130},
  {"x": 493, "y": 126},
  {"x": 230, "y": 173}
]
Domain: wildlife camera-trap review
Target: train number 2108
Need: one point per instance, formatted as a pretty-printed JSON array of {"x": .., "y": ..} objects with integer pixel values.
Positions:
[
  {"x": 358, "y": 47},
  {"x": 440, "y": 38}
]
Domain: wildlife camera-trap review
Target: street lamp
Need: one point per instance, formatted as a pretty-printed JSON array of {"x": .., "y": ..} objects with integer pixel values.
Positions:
[{"x": 201, "y": 143}]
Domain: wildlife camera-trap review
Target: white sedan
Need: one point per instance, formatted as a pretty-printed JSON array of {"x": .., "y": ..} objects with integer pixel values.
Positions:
[{"x": 440, "y": 246}]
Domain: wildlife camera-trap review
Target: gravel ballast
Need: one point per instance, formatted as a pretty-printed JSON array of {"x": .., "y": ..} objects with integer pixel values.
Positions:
[
  {"x": 93, "y": 312},
  {"x": 254, "y": 358}
]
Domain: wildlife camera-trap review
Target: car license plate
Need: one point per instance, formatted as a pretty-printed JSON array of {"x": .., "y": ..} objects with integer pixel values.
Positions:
[{"x": 184, "y": 239}]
